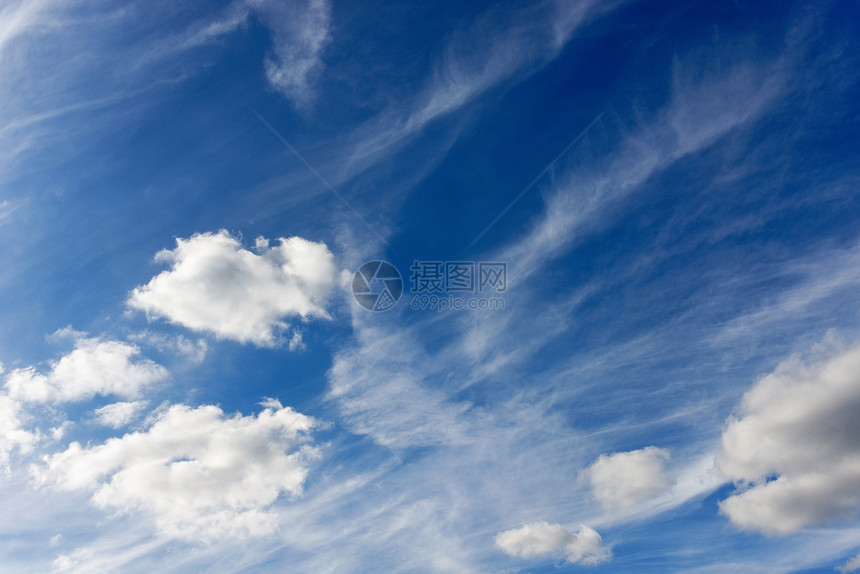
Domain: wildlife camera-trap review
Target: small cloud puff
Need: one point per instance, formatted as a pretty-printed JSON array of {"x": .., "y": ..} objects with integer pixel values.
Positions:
[
  {"x": 541, "y": 539},
  {"x": 624, "y": 479}
]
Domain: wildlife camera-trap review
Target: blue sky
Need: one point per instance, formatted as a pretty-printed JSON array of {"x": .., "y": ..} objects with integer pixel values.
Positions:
[{"x": 670, "y": 381}]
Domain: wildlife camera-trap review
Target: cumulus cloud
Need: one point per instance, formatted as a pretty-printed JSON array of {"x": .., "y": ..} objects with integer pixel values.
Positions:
[
  {"x": 216, "y": 285},
  {"x": 200, "y": 473},
  {"x": 794, "y": 448},
  {"x": 300, "y": 32},
  {"x": 624, "y": 479},
  {"x": 541, "y": 539},
  {"x": 94, "y": 367},
  {"x": 117, "y": 415}
]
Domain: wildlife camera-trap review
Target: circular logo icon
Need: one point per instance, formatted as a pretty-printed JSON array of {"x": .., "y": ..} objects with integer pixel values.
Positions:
[{"x": 377, "y": 285}]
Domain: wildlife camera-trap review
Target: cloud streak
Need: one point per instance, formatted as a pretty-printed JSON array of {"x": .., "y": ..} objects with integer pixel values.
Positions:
[{"x": 495, "y": 48}]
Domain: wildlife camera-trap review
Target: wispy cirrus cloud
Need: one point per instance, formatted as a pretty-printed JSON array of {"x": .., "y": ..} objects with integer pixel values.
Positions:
[
  {"x": 499, "y": 45},
  {"x": 696, "y": 117},
  {"x": 399, "y": 393},
  {"x": 16, "y": 18},
  {"x": 384, "y": 369},
  {"x": 62, "y": 97}
]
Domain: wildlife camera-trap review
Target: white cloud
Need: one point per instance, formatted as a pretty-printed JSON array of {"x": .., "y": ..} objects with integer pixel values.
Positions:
[
  {"x": 59, "y": 431},
  {"x": 216, "y": 285},
  {"x": 541, "y": 539},
  {"x": 12, "y": 434},
  {"x": 201, "y": 474},
  {"x": 118, "y": 414},
  {"x": 851, "y": 566},
  {"x": 300, "y": 32},
  {"x": 624, "y": 479},
  {"x": 793, "y": 446},
  {"x": 94, "y": 367},
  {"x": 296, "y": 342},
  {"x": 194, "y": 351}
]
